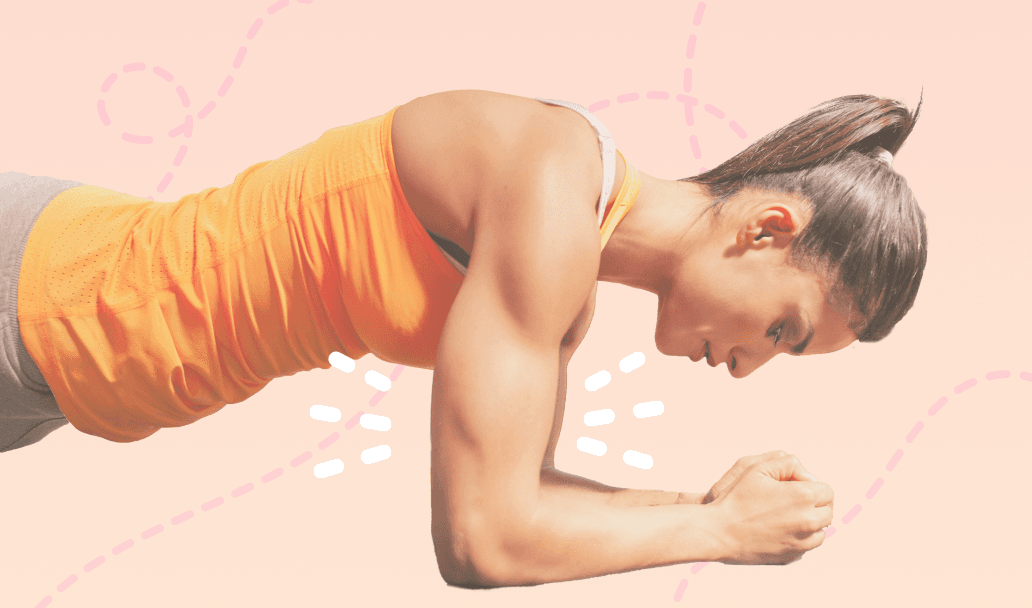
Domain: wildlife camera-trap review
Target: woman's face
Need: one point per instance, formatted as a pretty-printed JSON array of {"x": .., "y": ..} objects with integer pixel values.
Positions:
[{"x": 736, "y": 299}]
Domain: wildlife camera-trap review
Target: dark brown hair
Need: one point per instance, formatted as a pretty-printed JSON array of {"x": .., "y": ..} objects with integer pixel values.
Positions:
[{"x": 866, "y": 234}]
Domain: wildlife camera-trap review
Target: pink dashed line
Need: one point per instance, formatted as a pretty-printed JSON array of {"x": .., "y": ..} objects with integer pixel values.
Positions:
[
  {"x": 208, "y": 107},
  {"x": 110, "y": 80},
  {"x": 350, "y": 424},
  {"x": 1026, "y": 376},
  {"x": 698, "y": 566},
  {"x": 963, "y": 386},
  {"x": 396, "y": 372},
  {"x": 680, "y": 589},
  {"x": 183, "y": 97},
  {"x": 300, "y": 459},
  {"x": 94, "y": 563},
  {"x": 626, "y": 97},
  {"x": 163, "y": 73},
  {"x": 894, "y": 460},
  {"x": 690, "y": 52},
  {"x": 257, "y": 25},
  {"x": 68, "y": 582},
  {"x": 829, "y": 532},
  {"x": 154, "y": 531},
  {"x": 689, "y": 102},
  {"x": 376, "y": 398},
  {"x": 164, "y": 182},
  {"x": 276, "y": 6},
  {"x": 657, "y": 95},
  {"x": 43, "y": 603},
  {"x": 848, "y": 517},
  {"x": 937, "y": 406},
  {"x": 137, "y": 139},
  {"x": 178, "y": 160},
  {"x": 997, "y": 375},
  {"x": 225, "y": 86},
  {"x": 134, "y": 67},
  {"x": 696, "y": 151},
  {"x": 687, "y": 80},
  {"x": 874, "y": 488},
  {"x": 122, "y": 546},
  {"x": 325, "y": 443},
  {"x": 103, "y": 113},
  {"x": 914, "y": 431},
  {"x": 211, "y": 504},
  {"x": 244, "y": 489},
  {"x": 239, "y": 59},
  {"x": 739, "y": 131},
  {"x": 714, "y": 110},
  {"x": 272, "y": 475},
  {"x": 598, "y": 105},
  {"x": 186, "y": 128},
  {"x": 178, "y": 519},
  {"x": 701, "y": 8}
]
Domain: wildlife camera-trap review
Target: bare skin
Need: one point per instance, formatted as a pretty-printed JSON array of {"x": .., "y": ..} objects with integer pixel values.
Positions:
[{"x": 516, "y": 183}]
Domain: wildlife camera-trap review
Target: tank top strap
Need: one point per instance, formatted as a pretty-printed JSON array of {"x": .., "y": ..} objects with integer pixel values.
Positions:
[{"x": 605, "y": 145}]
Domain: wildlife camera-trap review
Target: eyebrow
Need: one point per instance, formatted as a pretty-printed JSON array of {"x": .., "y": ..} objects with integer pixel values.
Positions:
[{"x": 798, "y": 349}]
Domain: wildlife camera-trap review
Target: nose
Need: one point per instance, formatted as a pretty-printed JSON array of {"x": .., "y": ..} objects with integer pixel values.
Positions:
[{"x": 747, "y": 362}]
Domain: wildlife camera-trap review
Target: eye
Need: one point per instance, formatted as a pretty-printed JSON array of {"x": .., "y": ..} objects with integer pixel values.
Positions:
[{"x": 775, "y": 332}]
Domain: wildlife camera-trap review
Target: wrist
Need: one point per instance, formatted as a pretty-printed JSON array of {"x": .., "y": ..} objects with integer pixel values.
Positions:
[{"x": 722, "y": 544}]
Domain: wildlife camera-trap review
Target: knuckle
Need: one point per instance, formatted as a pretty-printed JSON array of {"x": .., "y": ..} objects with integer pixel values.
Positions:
[
  {"x": 815, "y": 522},
  {"x": 780, "y": 453}
]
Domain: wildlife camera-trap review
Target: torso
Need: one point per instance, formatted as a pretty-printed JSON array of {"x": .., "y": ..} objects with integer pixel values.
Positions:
[{"x": 449, "y": 146}]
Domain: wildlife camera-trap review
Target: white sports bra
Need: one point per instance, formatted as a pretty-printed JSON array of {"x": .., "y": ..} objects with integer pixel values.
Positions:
[{"x": 459, "y": 258}]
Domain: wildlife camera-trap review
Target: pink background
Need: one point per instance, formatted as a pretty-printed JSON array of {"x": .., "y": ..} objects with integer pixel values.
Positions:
[{"x": 949, "y": 526}]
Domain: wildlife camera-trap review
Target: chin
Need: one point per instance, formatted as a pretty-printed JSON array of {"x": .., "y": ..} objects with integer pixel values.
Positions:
[{"x": 660, "y": 347}]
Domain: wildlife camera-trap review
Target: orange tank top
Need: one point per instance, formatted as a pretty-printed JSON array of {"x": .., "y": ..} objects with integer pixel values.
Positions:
[{"x": 143, "y": 315}]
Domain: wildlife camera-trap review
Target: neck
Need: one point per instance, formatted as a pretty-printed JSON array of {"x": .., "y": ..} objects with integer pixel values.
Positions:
[{"x": 650, "y": 242}]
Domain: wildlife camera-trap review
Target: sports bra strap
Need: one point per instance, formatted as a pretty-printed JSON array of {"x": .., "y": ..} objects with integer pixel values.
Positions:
[{"x": 605, "y": 145}]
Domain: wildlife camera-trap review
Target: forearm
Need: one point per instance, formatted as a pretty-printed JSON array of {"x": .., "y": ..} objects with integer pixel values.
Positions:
[
  {"x": 578, "y": 533},
  {"x": 600, "y": 493}
]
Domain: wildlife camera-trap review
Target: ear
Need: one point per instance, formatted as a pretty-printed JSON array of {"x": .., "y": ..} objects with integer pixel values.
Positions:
[{"x": 771, "y": 224}]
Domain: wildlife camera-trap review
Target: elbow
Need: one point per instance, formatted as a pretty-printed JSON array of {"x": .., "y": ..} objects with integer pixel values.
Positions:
[{"x": 473, "y": 557}]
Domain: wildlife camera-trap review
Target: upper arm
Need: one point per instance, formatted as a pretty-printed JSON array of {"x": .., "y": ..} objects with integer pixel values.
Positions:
[{"x": 497, "y": 368}]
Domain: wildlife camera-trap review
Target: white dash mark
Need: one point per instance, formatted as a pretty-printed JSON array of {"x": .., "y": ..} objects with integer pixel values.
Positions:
[
  {"x": 599, "y": 417},
  {"x": 637, "y": 459},
  {"x": 632, "y": 362},
  {"x": 342, "y": 362},
  {"x": 380, "y": 452},
  {"x": 374, "y": 422},
  {"x": 378, "y": 380},
  {"x": 648, "y": 409},
  {"x": 597, "y": 381},
  {"x": 329, "y": 468},
  {"x": 325, "y": 413},
  {"x": 591, "y": 446}
]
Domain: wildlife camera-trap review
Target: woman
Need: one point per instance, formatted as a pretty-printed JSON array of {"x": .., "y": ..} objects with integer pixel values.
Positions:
[{"x": 466, "y": 232}]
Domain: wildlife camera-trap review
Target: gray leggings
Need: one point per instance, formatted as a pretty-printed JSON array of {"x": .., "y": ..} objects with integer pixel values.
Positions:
[{"x": 28, "y": 410}]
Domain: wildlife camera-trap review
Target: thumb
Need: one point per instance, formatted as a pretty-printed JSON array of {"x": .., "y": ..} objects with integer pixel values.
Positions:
[{"x": 786, "y": 468}]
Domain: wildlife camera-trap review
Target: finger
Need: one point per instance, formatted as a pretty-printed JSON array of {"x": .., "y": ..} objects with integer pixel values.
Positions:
[
  {"x": 824, "y": 517},
  {"x": 749, "y": 461},
  {"x": 814, "y": 540},
  {"x": 786, "y": 468},
  {"x": 824, "y": 495}
]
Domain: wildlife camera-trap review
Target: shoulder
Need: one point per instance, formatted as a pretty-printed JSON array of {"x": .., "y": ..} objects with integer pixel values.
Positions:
[{"x": 491, "y": 133}]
